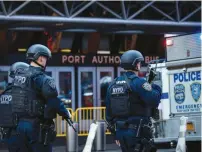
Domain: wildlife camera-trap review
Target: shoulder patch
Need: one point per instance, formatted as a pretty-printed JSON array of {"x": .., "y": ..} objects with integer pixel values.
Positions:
[
  {"x": 51, "y": 83},
  {"x": 147, "y": 86}
]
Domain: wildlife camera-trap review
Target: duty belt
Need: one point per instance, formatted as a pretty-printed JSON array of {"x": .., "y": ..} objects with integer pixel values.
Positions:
[{"x": 124, "y": 125}]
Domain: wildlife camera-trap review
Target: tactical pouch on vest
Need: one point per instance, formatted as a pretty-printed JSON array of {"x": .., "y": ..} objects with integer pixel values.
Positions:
[
  {"x": 120, "y": 106},
  {"x": 6, "y": 119},
  {"x": 35, "y": 108},
  {"x": 119, "y": 100},
  {"x": 19, "y": 100}
]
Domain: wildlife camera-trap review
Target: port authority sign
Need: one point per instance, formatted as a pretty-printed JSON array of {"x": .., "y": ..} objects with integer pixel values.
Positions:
[
  {"x": 91, "y": 59},
  {"x": 62, "y": 59}
]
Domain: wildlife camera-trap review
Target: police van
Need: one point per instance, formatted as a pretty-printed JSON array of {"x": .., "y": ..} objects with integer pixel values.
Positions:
[{"x": 180, "y": 78}]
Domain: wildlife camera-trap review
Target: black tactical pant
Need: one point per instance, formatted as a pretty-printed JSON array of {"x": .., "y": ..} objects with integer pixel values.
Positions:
[
  {"x": 13, "y": 142},
  {"x": 9, "y": 136},
  {"x": 28, "y": 136},
  {"x": 136, "y": 139},
  {"x": 130, "y": 143}
]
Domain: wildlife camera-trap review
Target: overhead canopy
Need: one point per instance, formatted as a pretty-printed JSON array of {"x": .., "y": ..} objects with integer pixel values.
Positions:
[{"x": 155, "y": 17}]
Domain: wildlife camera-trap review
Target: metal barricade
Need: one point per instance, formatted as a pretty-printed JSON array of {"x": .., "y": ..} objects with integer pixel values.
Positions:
[
  {"x": 84, "y": 116},
  {"x": 61, "y": 124}
]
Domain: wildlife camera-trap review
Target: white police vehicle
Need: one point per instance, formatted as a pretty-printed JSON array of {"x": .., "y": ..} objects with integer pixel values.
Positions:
[{"x": 180, "y": 78}]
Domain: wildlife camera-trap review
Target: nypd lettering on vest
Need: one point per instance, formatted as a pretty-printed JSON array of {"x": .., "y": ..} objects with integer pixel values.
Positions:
[
  {"x": 118, "y": 90},
  {"x": 179, "y": 91},
  {"x": 20, "y": 79},
  {"x": 195, "y": 90},
  {"x": 120, "y": 82},
  {"x": 187, "y": 76},
  {"x": 6, "y": 99}
]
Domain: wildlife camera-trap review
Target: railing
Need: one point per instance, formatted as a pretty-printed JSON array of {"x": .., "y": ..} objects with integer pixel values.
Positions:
[
  {"x": 61, "y": 125},
  {"x": 84, "y": 116}
]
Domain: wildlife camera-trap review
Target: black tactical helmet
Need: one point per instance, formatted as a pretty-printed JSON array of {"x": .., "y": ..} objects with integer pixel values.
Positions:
[
  {"x": 37, "y": 50},
  {"x": 16, "y": 67},
  {"x": 130, "y": 59}
]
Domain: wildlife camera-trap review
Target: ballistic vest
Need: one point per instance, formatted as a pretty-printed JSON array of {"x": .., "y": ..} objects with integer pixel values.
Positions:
[
  {"x": 27, "y": 100},
  {"x": 6, "y": 117},
  {"x": 124, "y": 102}
]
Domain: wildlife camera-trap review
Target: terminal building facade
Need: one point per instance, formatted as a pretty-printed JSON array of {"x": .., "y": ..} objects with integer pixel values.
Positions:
[
  {"x": 82, "y": 64},
  {"x": 87, "y": 39}
]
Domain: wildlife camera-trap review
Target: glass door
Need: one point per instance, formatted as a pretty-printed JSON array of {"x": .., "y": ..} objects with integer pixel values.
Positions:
[
  {"x": 105, "y": 75},
  {"x": 86, "y": 86},
  {"x": 3, "y": 78},
  {"x": 50, "y": 71},
  {"x": 86, "y": 97},
  {"x": 121, "y": 71},
  {"x": 65, "y": 86}
]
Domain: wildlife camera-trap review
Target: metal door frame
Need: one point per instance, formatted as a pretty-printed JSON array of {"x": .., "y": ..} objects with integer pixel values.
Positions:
[
  {"x": 67, "y": 69},
  {"x": 87, "y": 69},
  {"x": 99, "y": 70},
  {"x": 52, "y": 69},
  {"x": 6, "y": 69},
  {"x": 119, "y": 70}
]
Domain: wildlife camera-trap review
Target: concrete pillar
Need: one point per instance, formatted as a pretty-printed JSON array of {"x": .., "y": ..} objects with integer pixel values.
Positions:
[
  {"x": 100, "y": 138},
  {"x": 72, "y": 138}
]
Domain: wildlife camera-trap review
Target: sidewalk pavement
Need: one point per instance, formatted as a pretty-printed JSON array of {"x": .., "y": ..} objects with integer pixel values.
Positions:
[{"x": 109, "y": 148}]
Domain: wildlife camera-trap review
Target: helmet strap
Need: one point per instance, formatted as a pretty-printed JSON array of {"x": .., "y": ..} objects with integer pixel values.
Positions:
[
  {"x": 44, "y": 67},
  {"x": 135, "y": 69}
]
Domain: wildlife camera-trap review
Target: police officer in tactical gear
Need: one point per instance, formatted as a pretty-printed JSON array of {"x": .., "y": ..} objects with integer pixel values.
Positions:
[
  {"x": 18, "y": 66},
  {"x": 129, "y": 104},
  {"x": 35, "y": 102},
  {"x": 8, "y": 122}
]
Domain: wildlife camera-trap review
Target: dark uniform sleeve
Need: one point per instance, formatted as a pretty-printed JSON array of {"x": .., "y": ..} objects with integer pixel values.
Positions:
[
  {"x": 58, "y": 105},
  {"x": 48, "y": 88},
  {"x": 46, "y": 85},
  {"x": 149, "y": 94}
]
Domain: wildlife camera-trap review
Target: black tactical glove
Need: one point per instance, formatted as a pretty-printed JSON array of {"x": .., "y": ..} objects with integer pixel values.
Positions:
[
  {"x": 155, "y": 114},
  {"x": 152, "y": 75}
]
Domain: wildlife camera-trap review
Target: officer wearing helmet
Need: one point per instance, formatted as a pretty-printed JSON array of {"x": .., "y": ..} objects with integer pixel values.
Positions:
[
  {"x": 8, "y": 122},
  {"x": 35, "y": 102},
  {"x": 129, "y": 103},
  {"x": 18, "y": 66}
]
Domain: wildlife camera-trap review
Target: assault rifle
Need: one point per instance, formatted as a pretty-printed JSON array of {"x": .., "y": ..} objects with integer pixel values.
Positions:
[
  {"x": 70, "y": 122},
  {"x": 110, "y": 127}
]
